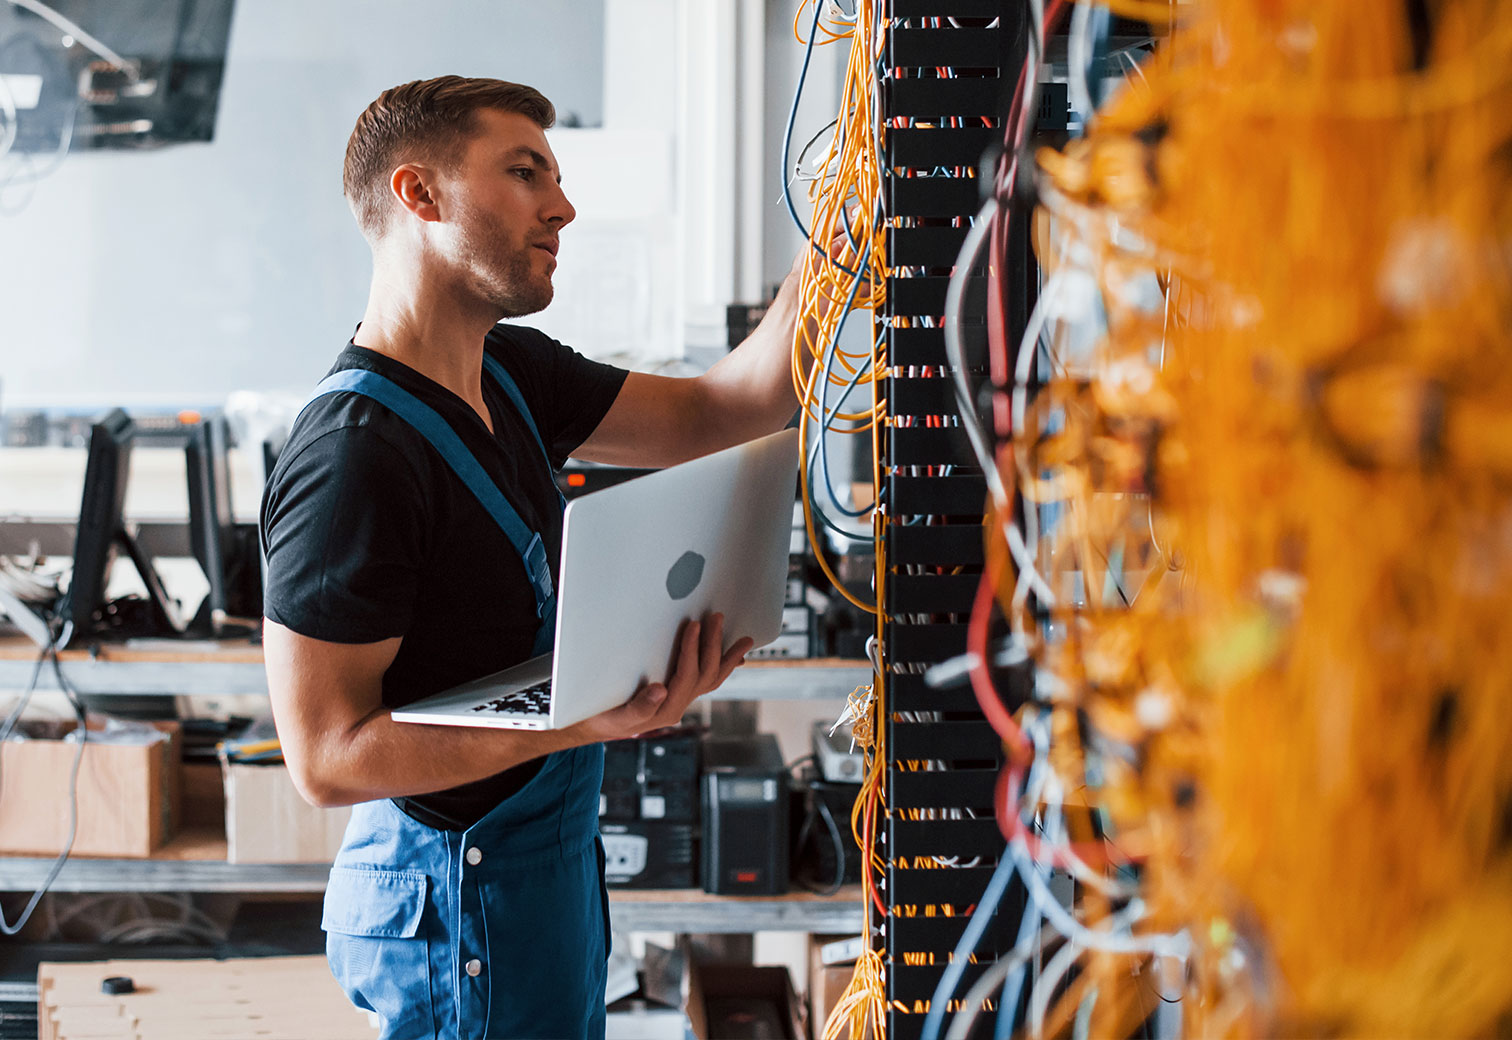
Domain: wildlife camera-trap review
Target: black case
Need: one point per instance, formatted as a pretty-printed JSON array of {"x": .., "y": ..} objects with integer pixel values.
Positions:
[
  {"x": 745, "y": 816},
  {"x": 650, "y": 854}
]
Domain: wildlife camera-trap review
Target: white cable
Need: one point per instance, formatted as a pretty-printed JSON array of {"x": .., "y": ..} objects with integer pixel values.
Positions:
[
  {"x": 1078, "y": 56},
  {"x": 1176, "y": 946},
  {"x": 1047, "y": 983},
  {"x": 955, "y": 354},
  {"x": 1082, "y": 1029},
  {"x": 46, "y": 13},
  {"x": 1126, "y": 57},
  {"x": 1028, "y": 351},
  {"x": 1032, "y": 67},
  {"x": 989, "y": 980},
  {"x": 1049, "y": 980}
]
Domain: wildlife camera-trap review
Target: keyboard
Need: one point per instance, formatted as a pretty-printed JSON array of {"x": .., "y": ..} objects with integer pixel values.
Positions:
[{"x": 533, "y": 700}]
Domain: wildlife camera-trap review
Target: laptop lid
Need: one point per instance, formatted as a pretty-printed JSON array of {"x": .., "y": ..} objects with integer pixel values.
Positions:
[{"x": 638, "y": 558}]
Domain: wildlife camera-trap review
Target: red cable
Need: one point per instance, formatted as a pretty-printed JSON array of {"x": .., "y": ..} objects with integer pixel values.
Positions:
[
  {"x": 868, "y": 822},
  {"x": 981, "y": 679}
]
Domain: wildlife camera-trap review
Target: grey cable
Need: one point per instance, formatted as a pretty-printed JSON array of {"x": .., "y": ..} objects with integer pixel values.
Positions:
[{"x": 991, "y": 979}]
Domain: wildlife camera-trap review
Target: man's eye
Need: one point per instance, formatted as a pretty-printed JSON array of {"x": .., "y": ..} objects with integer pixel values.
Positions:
[{"x": 525, "y": 173}]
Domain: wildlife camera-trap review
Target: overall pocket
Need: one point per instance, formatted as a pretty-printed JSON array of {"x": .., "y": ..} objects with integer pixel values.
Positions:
[{"x": 377, "y": 943}]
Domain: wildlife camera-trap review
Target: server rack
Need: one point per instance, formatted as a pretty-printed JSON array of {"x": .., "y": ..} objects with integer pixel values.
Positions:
[{"x": 943, "y": 758}]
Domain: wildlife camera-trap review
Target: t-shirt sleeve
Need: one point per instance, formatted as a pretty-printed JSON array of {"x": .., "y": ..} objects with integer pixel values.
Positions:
[
  {"x": 344, "y": 529},
  {"x": 567, "y": 393}
]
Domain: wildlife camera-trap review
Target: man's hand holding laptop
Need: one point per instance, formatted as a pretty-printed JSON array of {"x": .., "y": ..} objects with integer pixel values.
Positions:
[{"x": 697, "y": 668}]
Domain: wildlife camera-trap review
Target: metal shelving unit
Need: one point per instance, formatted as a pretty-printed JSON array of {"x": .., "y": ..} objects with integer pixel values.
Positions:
[
  {"x": 631, "y": 910},
  {"x": 195, "y": 668},
  {"x": 196, "y": 862}
]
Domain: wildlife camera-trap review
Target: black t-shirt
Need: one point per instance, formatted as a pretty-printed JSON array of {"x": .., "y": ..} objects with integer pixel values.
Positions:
[{"x": 370, "y": 535}]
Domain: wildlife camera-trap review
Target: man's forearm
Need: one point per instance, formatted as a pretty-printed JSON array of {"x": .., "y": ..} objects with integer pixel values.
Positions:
[{"x": 381, "y": 758}]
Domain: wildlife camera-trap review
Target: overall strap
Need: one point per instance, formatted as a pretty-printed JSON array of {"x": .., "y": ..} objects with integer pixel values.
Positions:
[
  {"x": 511, "y": 390},
  {"x": 444, "y": 439}
]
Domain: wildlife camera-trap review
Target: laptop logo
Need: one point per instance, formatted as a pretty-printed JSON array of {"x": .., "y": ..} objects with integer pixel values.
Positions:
[{"x": 685, "y": 575}]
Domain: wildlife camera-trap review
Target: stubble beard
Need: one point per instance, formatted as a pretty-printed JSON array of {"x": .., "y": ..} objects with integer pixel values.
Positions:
[
  {"x": 506, "y": 275},
  {"x": 518, "y": 289}
]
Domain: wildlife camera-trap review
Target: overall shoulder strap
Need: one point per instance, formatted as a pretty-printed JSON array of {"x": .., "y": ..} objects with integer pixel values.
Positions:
[
  {"x": 444, "y": 439},
  {"x": 511, "y": 390}
]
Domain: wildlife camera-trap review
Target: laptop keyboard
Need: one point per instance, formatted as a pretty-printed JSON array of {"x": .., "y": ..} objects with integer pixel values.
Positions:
[{"x": 533, "y": 700}]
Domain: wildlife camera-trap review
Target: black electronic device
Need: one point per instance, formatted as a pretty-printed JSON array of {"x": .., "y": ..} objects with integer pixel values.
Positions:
[
  {"x": 619, "y": 794},
  {"x": 650, "y": 854},
  {"x": 584, "y": 478},
  {"x": 668, "y": 776},
  {"x": 821, "y": 829},
  {"x": 745, "y": 816},
  {"x": 101, "y": 531},
  {"x": 654, "y": 777},
  {"x": 272, "y": 445},
  {"x": 228, "y": 556}
]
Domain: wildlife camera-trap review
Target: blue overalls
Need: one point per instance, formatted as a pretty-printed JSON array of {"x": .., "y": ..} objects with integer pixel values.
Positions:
[{"x": 500, "y": 930}]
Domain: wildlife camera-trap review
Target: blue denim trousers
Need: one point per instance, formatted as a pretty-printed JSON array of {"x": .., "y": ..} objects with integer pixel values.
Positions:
[{"x": 497, "y": 931}]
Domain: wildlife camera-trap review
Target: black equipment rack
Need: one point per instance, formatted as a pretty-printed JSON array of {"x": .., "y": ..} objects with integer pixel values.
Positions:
[{"x": 935, "y": 493}]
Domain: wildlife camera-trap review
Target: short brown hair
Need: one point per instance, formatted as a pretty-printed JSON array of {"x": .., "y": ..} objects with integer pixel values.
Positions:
[{"x": 429, "y": 119}]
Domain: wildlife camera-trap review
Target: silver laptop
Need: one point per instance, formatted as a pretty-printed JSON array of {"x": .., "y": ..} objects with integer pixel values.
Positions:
[{"x": 637, "y": 559}]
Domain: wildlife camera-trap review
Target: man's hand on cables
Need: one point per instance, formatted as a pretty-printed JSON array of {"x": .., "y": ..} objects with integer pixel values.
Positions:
[{"x": 811, "y": 261}]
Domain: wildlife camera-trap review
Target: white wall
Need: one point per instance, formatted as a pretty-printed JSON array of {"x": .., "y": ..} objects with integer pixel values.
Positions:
[{"x": 178, "y": 275}]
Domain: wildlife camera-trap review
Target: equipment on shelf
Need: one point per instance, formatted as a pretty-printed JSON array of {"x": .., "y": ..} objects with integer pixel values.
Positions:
[
  {"x": 652, "y": 777},
  {"x": 100, "y": 533},
  {"x": 650, "y": 854},
  {"x": 824, "y": 851},
  {"x": 835, "y": 753},
  {"x": 228, "y": 555},
  {"x": 745, "y": 816}
]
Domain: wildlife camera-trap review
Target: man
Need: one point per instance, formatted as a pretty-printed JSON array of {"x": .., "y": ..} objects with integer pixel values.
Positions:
[{"x": 467, "y": 899}]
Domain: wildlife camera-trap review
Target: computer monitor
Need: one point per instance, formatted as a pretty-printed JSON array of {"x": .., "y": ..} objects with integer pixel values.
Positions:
[
  {"x": 227, "y": 555},
  {"x": 211, "y": 527},
  {"x": 102, "y": 531}
]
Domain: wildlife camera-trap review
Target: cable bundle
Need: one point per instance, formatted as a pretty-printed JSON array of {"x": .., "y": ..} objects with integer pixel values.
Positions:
[
  {"x": 847, "y": 238},
  {"x": 848, "y": 241},
  {"x": 1252, "y": 529}
]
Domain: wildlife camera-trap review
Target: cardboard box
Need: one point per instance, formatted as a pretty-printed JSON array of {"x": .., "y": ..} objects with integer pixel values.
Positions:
[
  {"x": 760, "y": 998},
  {"x": 267, "y": 821},
  {"x": 272, "y": 998},
  {"x": 202, "y": 804},
  {"x": 128, "y": 794},
  {"x": 826, "y": 984}
]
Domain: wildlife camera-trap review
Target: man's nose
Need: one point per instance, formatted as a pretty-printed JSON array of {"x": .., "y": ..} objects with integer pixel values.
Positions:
[{"x": 560, "y": 210}]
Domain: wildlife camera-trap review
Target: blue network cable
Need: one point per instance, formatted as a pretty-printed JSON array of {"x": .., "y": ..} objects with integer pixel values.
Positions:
[{"x": 975, "y": 928}]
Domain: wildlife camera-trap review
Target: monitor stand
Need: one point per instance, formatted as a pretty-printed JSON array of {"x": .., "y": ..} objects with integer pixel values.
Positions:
[{"x": 165, "y": 612}]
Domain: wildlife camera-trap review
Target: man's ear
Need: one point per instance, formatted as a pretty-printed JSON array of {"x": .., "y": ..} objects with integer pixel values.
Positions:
[{"x": 413, "y": 186}]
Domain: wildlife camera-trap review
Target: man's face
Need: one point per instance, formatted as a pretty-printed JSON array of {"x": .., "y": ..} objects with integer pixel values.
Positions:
[{"x": 508, "y": 208}]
